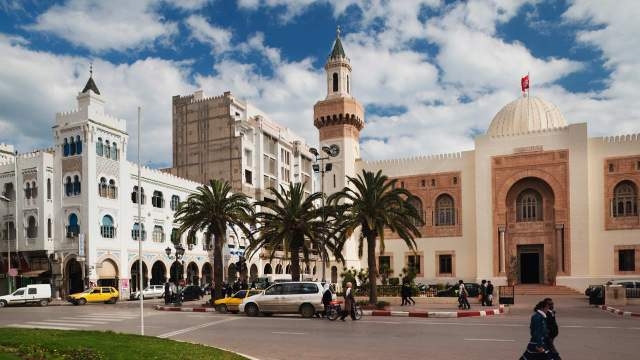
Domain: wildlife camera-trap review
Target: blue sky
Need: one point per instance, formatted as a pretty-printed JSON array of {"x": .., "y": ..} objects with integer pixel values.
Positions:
[{"x": 431, "y": 73}]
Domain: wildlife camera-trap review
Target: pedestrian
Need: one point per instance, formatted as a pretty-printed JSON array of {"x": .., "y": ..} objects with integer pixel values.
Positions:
[
  {"x": 489, "y": 293},
  {"x": 552, "y": 326},
  {"x": 253, "y": 285},
  {"x": 537, "y": 346},
  {"x": 483, "y": 293},
  {"x": 403, "y": 294},
  {"x": 174, "y": 291},
  {"x": 167, "y": 293},
  {"x": 349, "y": 302},
  {"x": 463, "y": 296},
  {"x": 327, "y": 297},
  {"x": 408, "y": 293}
]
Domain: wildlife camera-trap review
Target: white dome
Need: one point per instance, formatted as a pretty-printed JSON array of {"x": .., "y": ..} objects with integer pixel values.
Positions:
[{"x": 524, "y": 115}]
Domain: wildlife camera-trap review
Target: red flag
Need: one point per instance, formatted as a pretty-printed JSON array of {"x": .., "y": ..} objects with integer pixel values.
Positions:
[{"x": 524, "y": 83}]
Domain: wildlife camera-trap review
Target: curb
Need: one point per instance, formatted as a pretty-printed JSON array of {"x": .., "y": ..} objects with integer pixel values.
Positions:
[
  {"x": 436, "y": 314},
  {"x": 422, "y": 314},
  {"x": 619, "y": 312}
]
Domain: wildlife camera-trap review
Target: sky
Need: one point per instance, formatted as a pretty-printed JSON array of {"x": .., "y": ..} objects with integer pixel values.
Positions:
[{"x": 430, "y": 73}]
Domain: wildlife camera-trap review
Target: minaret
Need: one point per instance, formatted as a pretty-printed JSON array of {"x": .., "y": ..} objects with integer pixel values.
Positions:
[{"x": 339, "y": 119}]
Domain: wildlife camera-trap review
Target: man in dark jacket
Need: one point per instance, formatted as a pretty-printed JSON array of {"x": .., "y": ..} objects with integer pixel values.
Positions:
[
  {"x": 167, "y": 293},
  {"x": 349, "y": 302},
  {"x": 552, "y": 325}
]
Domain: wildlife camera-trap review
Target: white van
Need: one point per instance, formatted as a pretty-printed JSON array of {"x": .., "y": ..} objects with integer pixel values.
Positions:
[
  {"x": 304, "y": 298},
  {"x": 31, "y": 294}
]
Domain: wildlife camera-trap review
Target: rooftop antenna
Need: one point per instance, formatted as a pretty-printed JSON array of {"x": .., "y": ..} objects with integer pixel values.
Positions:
[{"x": 91, "y": 69}]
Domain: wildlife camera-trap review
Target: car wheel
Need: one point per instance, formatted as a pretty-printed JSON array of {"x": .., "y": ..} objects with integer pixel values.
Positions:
[
  {"x": 222, "y": 308},
  {"x": 44, "y": 302},
  {"x": 82, "y": 301},
  {"x": 3, "y": 303},
  {"x": 307, "y": 310},
  {"x": 251, "y": 310}
]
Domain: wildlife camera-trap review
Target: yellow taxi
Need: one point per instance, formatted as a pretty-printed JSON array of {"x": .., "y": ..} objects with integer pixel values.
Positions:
[
  {"x": 230, "y": 304},
  {"x": 104, "y": 294}
]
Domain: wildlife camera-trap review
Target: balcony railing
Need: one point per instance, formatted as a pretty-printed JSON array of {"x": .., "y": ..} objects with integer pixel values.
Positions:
[{"x": 108, "y": 232}]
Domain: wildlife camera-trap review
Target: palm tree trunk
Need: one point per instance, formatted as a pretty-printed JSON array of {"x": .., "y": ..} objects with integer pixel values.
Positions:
[
  {"x": 373, "y": 271},
  {"x": 217, "y": 266},
  {"x": 295, "y": 264}
]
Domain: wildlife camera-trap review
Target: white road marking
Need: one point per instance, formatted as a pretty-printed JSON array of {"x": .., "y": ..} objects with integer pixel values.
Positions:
[
  {"x": 496, "y": 340},
  {"x": 24, "y": 326},
  {"x": 52, "y": 323},
  {"x": 73, "y": 321},
  {"x": 95, "y": 320},
  {"x": 197, "y": 327},
  {"x": 287, "y": 333}
]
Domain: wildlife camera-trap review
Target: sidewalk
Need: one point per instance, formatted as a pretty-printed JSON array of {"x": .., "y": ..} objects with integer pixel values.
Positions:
[{"x": 624, "y": 311}]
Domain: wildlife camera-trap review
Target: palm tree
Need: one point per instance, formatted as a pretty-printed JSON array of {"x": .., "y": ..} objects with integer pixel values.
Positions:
[
  {"x": 211, "y": 210},
  {"x": 372, "y": 205},
  {"x": 294, "y": 223}
]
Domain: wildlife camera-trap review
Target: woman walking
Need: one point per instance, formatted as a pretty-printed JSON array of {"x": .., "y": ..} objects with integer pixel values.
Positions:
[{"x": 537, "y": 348}]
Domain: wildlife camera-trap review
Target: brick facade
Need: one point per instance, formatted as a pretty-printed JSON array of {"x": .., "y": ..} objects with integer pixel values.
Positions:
[{"x": 617, "y": 170}]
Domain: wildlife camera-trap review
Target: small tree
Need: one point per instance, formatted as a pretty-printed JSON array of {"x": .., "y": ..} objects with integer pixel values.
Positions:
[
  {"x": 384, "y": 273},
  {"x": 348, "y": 275}
]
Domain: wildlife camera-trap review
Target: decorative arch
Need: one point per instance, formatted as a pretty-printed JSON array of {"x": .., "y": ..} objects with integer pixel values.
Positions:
[
  {"x": 135, "y": 278},
  {"x": 334, "y": 274},
  {"x": 108, "y": 272},
  {"x": 73, "y": 275},
  {"x": 267, "y": 269},
  {"x": 158, "y": 273},
  {"x": 625, "y": 199},
  {"x": 232, "y": 274},
  {"x": 279, "y": 269},
  {"x": 334, "y": 82},
  {"x": 207, "y": 273},
  {"x": 253, "y": 272},
  {"x": 445, "y": 210},
  {"x": 193, "y": 274}
]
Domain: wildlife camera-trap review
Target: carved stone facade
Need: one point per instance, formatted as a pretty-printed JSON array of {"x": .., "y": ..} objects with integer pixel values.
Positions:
[
  {"x": 545, "y": 173},
  {"x": 620, "y": 170}
]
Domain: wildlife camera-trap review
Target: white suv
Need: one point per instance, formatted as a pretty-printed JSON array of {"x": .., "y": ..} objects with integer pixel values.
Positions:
[
  {"x": 152, "y": 291},
  {"x": 304, "y": 298}
]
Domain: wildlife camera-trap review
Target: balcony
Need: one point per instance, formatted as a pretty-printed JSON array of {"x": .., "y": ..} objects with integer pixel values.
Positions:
[{"x": 108, "y": 232}]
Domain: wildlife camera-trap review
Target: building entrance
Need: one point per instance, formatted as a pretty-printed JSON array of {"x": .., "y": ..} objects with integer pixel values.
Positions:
[{"x": 530, "y": 262}]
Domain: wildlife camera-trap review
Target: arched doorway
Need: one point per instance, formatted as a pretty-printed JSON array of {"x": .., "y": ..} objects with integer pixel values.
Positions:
[
  {"x": 267, "y": 269},
  {"x": 135, "y": 278},
  {"x": 193, "y": 274},
  {"x": 287, "y": 270},
  {"x": 232, "y": 275},
  {"x": 253, "y": 272},
  {"x": 334, "y": 274},
  {"x": 73, "y": 271},
  {"x": 158, "y": 273},
  {"x": 530, "y": 242},
  {"x": 176, "y": 272},
  {"x": 108, "y": 273},
  {"x": 279, "y": 269},
  {"x": 207, "y": 273}
]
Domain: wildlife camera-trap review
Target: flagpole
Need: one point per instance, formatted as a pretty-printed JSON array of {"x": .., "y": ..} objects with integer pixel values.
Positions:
[{"x": 528, "y": 96}]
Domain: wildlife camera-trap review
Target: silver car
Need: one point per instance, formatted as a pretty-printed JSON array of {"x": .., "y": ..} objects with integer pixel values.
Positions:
[{"x": 304, "y": 298}]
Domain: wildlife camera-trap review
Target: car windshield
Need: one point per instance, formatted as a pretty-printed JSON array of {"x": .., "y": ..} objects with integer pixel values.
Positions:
[{"x": 240, "y": 294}]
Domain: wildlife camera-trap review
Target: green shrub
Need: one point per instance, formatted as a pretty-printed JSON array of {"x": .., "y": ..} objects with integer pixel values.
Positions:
[
  {"x": 394, "y": 281},
  {"x": 382, "y": 304}
]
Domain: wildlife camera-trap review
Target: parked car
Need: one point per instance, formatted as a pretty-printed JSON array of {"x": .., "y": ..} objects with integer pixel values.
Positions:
[
  {"x": 472, "y": 288},
  {"x": 192, "y": 292},
  {"x": 303, "y": 297},
  {"x": 151, "y": 291},
  {"x": 232, "y": 303},
  {"x": 31, "y": 294},
  {"x": 105, "y": 294},
  {"x": 627, "y": 283}
]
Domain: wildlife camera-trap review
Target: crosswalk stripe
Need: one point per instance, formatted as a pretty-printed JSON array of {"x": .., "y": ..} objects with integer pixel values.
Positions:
[
  {"x": 110, "y": 316},
  {"x": 51, "y": 323},
  {"x": 93, "y": 319},
  {"x": 73, "y": 320},
  {"x": 23, "y": 326}
]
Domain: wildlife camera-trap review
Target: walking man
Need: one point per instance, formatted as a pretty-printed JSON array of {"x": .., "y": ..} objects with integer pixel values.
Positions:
[
  {"x": 403, "y": 294},
  {"x": 552, "y": 325},
  {"x": 463, "y": 296},
  {"x": 489, "y": 293},
  {"x": 408, "y": 290},
  {"x": 483, "y": 293},
  {"x": 167, "y": 293},
  {"x": 349, "y": 302}
]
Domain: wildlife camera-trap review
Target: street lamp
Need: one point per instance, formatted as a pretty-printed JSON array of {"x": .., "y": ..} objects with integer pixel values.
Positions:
[
  {"x": 179, "y": 254},
  {"x": 322, "y": 168},
  {"x": 7, "y": 200}
]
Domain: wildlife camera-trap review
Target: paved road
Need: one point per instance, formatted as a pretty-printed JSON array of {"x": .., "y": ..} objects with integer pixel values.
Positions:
[{"x": 585, "y": 333}]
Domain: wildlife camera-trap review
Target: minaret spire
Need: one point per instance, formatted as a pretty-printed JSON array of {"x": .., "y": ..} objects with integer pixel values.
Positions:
[{"x": 91, "y": 85}]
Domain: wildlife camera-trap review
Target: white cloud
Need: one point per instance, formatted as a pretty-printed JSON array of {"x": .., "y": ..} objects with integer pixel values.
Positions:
[
  {"x": 105, "y": 25},
  {"x": 203, "y": 31}
]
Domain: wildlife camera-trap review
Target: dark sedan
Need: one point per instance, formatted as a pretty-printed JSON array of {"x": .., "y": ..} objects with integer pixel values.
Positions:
[
  {"x": 472, "y": 288},
  {"x": 192, "y": 292}
]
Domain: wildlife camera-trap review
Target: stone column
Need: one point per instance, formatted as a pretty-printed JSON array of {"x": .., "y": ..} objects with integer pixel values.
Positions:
[
  {"x": 502, "y": 251},
  {"x": 560, "y": 247}
]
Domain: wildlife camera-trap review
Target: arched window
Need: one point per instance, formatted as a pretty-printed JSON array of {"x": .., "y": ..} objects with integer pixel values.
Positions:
[
  {"x": 102, "y": 187},
  {"x": 32, "y": 228},
  {"x": 72, "y": 146},
  {"x": 335, "y": 82},
  {"x": 348, "y": 85},
  {"x": 49, "y": 228},
  {"x": 267, "y": 269},
  {"x": 157, "y": 199},
  {"x": 529, "y": 206},
  {"x": 9, "y": 191},
  {"x": 65, "y": 147},
  {"x": 34, "y": 190},
  {"x": 135, "y": 232},
  {"x": 113, "y": 190},
  {"x": 107, "y": 230},
  {"x": 417, "y": 204},
  {"x": 76, "y": 185},
  {"x": 27, "y": 191},
  {"x": 134, "y": 195},
  {"x": 445, "y": 211},
  {"x": 175, "y": 236},
  {"x": 278, "y": 269},
  {"x": 625, "y": 199},
  {"x": 158, "y": 234},
  {"x": 9, "y": 231},
  {"x": 99, "y": 147},
  {"x": 175, "y": 202},
  {"x": 68, "y": 186},
  {"x": 78, "y": 145},
  {"x": 48, "y": 189},
  {"x": 107, "y": 149},
  {"x": 73, "y": 229},
  {"x": 114, "y": 151}
]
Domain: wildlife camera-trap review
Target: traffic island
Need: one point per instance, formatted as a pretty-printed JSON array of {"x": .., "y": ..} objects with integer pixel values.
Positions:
[
  {"x": 620, "y": 312},
  {"x": 69, "y": 344}
]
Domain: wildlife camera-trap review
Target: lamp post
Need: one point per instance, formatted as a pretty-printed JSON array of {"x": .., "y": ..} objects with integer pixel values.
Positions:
[
  {"x": 322, "y": 168},
  {"x": 7, "y": 200},
  {"x": 179, "y": 251}
]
